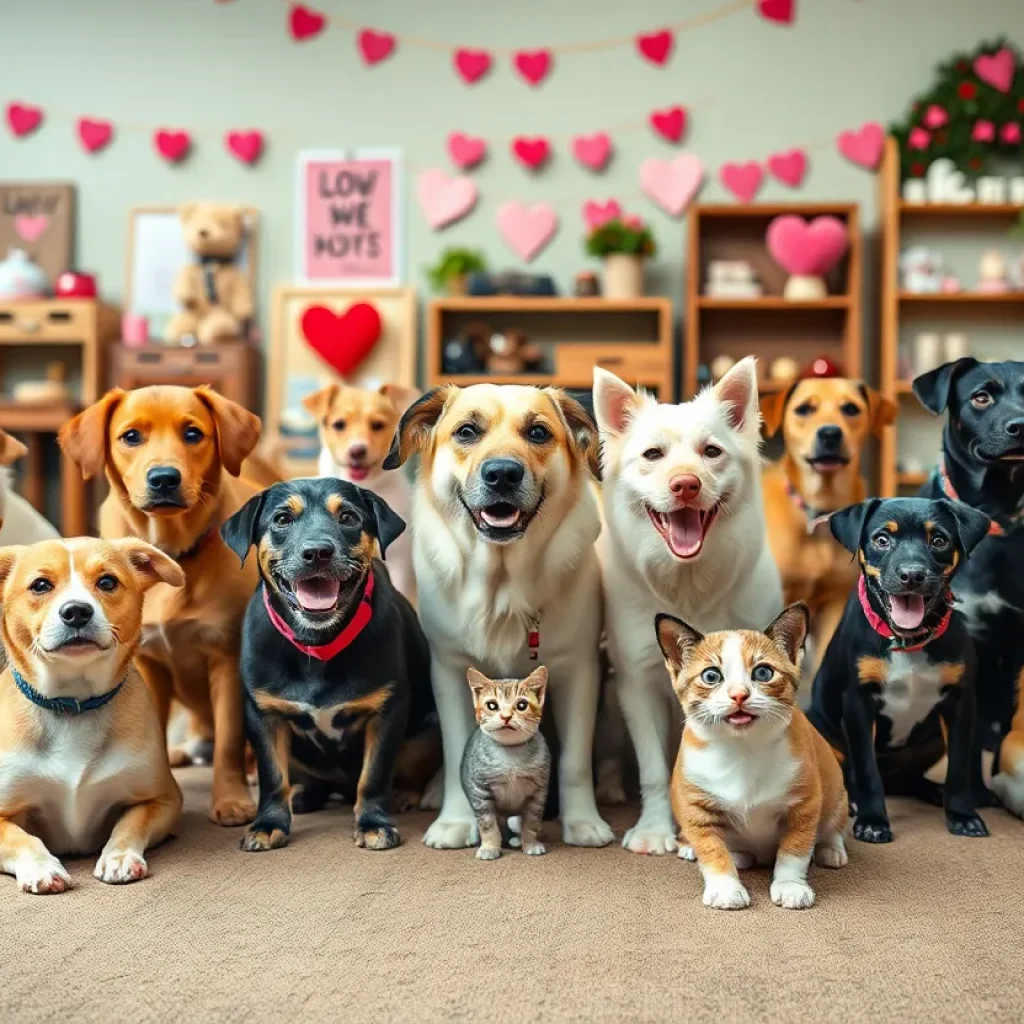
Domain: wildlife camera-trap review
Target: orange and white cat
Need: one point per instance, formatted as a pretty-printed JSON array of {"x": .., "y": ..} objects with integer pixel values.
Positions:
[{"x": 754, "y": 782}]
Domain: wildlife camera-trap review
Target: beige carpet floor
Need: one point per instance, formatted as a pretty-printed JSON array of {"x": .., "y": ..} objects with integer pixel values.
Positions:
[{"x": 927, "y": 929}]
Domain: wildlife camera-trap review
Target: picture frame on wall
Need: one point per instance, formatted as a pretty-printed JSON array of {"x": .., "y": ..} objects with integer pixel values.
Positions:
[
  {"x": 349, "y": 218},
  {"x": 39, "y": 218}
]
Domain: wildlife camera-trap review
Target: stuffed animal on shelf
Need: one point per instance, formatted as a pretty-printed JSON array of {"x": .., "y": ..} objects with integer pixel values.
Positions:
[
  {"x": 213, "y": 291},
  {"x": 512, "y": 351},
  {"x": 922, "y": 270}
]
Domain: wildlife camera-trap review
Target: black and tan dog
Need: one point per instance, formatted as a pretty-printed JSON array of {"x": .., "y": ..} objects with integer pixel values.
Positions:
[
  {"x": 896, "y": 689},
  {"x": 335, "y": 667}
]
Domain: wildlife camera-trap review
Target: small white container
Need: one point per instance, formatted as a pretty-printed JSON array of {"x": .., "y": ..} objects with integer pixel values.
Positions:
[
  {"x": 928, "y": 352},
  {"x": 1017, "y": 189},
  {"x": 915, "y": 191},
  {"x": 991, "y": 190}
]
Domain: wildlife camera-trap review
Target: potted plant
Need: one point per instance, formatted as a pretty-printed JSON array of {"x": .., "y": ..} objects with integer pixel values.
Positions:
[
  {"x": 623, "y": 244},
  {"x": 453, "y": 268}
]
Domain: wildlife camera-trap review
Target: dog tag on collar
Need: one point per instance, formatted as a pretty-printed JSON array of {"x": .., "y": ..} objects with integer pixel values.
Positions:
[{"x": 533, "y": 638}]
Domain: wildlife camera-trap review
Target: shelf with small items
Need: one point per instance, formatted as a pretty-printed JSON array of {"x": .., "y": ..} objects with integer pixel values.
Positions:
[
  {"x": 774, "y": 302},
  {"x": 1008, "y": 298},
  {"x": 995, "y": 211}
]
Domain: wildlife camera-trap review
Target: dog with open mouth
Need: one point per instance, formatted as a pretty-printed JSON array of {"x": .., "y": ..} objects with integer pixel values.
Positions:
[
  {"x": 896, "y": 690},
  {"x": 684, "y": 534}
]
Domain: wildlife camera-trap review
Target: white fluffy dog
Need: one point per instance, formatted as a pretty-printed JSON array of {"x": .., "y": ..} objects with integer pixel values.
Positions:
[{"x": 684, "y": 534}]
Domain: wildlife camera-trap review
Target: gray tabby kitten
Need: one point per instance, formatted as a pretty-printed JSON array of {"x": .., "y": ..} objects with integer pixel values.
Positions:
[{"x": 507, "y": 764}]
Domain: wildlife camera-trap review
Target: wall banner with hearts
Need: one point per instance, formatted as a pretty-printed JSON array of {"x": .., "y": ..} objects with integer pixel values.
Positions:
[
  {"x": 349, "y": 218},
  {"x": 39, "y": 218}
]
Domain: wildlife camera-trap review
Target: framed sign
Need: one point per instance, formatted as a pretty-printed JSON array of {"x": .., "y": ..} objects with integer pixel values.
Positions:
[
  {"x": 39, "y": 217},
  {"x": 348, "y": 218}
]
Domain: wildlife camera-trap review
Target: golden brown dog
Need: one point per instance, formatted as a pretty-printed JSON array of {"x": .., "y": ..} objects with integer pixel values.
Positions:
[
  {"x": 172, "y": 456},
  {"x": 825, "y": 422}
]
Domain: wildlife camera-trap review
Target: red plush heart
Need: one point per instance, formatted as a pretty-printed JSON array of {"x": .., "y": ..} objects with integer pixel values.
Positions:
[
  {"x": 782, "y": 11},
  {"x": 343, "y": 340},
  {"x": 247, "y": 146},
  {"x": 23, "y": 119},
  {"x": 533, "y": 153},
  {"x": 94, "y": 135},
  {"x": 305, "y": 23},
  {"x": 533, "y": 65},
  {"x": 471, "y": 65},
  {"x": 669, "y": 123},
  {"x": 656, "y": 47},
  {"x": 172, "y": 146},
  {"x": 375, "y": 46}
]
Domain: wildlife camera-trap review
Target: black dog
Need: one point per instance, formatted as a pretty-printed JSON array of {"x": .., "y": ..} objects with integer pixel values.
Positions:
[
  {"x": 895, "y": 690},
  {"x": 335, "y": 666},
  {"x": 983, "y": 465}
]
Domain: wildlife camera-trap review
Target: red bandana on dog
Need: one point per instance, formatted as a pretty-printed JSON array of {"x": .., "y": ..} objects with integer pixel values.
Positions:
[
  {"x": 325, "y": 652},
  {"x": 881, "y": 627}
]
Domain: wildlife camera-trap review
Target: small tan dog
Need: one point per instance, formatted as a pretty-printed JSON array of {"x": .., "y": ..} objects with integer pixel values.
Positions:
[{"x": 82, "y": 753}]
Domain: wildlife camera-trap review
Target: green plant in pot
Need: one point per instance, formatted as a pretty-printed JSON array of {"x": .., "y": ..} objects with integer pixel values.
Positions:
[
  {"x": 623, "y": 243},
  {"x": 453, "y": 268}
]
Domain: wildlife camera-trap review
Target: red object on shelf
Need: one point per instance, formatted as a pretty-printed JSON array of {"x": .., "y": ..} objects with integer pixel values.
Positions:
[
  {"x": 821, "y": 367},
  {"x": 75, "y": 284}
]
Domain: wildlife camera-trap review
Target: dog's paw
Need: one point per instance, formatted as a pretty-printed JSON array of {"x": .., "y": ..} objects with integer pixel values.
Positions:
[
  {"x": 41, "y": 875},
  {"x": 969, "y": 825},
  {"x": 378, "y": 837},
  {"x": 258, "y": 840},
  {"x": 685, "y": 852},
  {"x": 723, "y": 892},
  {"x": 792, "y": 895},
  {"x": 831, "y": 855},
  {"x": 232, "y": 810},
  {"x": 649, "y": 836},
  {"x": 872, "y": 830},
  {"x": 534, "y": 849},
  {"x": 403, "y": 800},
  {"x": 451, "y": 834},
  {"x": 487, "y": 853},
  {"x": 586, "y": 832},
  {"x": 118, "y": 867}
]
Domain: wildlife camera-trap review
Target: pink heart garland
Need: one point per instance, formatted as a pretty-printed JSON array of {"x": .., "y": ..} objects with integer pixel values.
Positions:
[
  {"x": 305, "y": 23},
  {"x": 782, "y": 11},
  {"x": 527, "y": 229},
  {"x": 742, "y": 180},
  {"x": 94, "y": 135},
  {"x": 172, "y": 146},
  {"x": 996, "y": 69},
  {"x": 533, "y": 65},
  {"x": 532, "y": 153},
  {"x": 596, "y": 214},
  {"x": 30, "y": 228},
  {"x": 593, "y": 151},
  {"x": 806, "y": 248},
  {"x": 935, "y": 117},
  {"x": 471, "y": 65},
  {"x": 23, "y": 119},
  {"x": 246, "y": 146},
  {"x": 466, "y": 150},
  {"x": 864, "y": 146},
  {"x": 656, "y": 46},
  {"x": 445, "y": 200},
  {"x": 375, "y": 46},
  {"x": 789, "y": 167},
  {"x": 669, "y": 123},
  {"x": 672, "y": 184}
]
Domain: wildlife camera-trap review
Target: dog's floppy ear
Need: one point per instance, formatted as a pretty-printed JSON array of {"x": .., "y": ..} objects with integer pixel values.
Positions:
[
  {"x": 789, "y": 630},
  {"x": 933, "y": 387},
  {"x": 11, "y": 449},
  {"x": 389, "y": 524},
  {"x": 416, "y": 424},
  {"x": 737, "y": 392},
  {"x": 8, "y": 559},
  {"x": 318, "y": 402},
  {"x": 582, "y": 429},
  {"x": 848, "y": 523},
  {"x": 615, "y": 402},
  {"x": 84, "y": 438},
  {"x": 676, "y": 639},
  {"x": 881, "y": 410},
  {"x": 773, "y": 408},
  {"x": 399, "y": 395},
  {"x": 238, "y": 430},
  {"x": 239, "y": 532},
  {"x": 971, "y": 524},
  {"x": 150, "y": 564}
]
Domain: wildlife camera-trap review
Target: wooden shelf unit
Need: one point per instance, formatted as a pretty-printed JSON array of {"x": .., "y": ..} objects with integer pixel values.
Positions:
[
  {"x": 770, "y": 325},
  {"x": 629, "y": 337}
]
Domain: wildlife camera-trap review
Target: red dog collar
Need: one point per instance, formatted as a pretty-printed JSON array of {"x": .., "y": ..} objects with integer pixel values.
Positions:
[
  {"x": 325, "y": 652},
  {"x": 881, "y": 627}
]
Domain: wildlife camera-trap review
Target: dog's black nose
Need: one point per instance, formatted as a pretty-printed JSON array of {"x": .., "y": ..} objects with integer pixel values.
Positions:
[
  {"x": 319, "y": 551},
  {"x": 502, "y": 474},
  {"x": 830, "y": 436},
  {"x": 357, "y": 452},
  {"x": 75, "y": 613},
  {"x": 1015, "y": 428},
  {"x": 163, "y": 479},
  {"x": 912, "y": 575}
]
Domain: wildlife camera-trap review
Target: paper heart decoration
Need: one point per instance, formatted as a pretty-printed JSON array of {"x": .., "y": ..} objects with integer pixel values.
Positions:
[
  {"x": 30, "y": 228},
  {"x": 996, "y": 70},
  {"x": 864, "y": 146},
  {"x": 342, "y": 341},
  {"x": 172, "y": 146},
  {"x": 94, "y": 135},
  {"x": 527, "y": 229},
  {"x": 471, "y": 65},
  {"x": 789, "y": 167},
  {"x": 305, "y": 23},
  {"x": 466, "y": 150},
  {"x": 246, "y": 146},
  {"x": 806, "y": 249},
  {"x": 533, "y": 65},
  {"x": 672, "y": 184},
  {"x": 596, "y": 214},
  {"x": 669, "y": 123},
  {"x": 532, "y": 153},
  {"x": 375, "y": 46},
  {"x": 656, "y": 46},
  {"x": 445, "y": 200},
  {"x": 935, "y": 117},
  {"x": 742, "y": 180},
  {"x": 23, "y": 119},
  {"x": 983, "y": 131},
  {"x": 782, "y": 11},
  {"x": 593, "y": 151}
]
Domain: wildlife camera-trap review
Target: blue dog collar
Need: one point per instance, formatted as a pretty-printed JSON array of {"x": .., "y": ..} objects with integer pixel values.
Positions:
[{"x": 64, "y": 705}]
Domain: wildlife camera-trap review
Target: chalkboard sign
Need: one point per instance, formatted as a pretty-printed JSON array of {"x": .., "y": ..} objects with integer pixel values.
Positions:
[{"x": 39, "y": 217}]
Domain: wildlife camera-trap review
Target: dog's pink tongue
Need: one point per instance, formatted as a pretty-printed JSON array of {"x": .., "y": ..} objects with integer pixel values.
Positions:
[
  {"x": 907, "y": 610},
  {"x": 685, "y": 533},
  {"x": 358, "y": 473},
  {"x": 317, "y": 594}
]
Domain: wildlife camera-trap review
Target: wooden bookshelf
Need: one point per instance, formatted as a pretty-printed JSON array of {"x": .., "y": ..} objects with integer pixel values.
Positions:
[{"x": 770, "y": 325}]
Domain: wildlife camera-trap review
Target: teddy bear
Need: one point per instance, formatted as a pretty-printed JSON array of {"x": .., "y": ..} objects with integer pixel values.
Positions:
[{"x": 214, "y": 293}]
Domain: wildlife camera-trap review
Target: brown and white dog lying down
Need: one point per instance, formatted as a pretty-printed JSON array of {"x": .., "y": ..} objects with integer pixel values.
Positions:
[
  {"x": 825, "y": 423},
  {"x": 172, "y": 456},
  {"x": 83, "y": 761}
]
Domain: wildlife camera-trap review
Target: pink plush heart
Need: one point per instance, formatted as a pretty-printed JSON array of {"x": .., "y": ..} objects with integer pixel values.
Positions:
[
  {"x": 527, "y": 229},
  {"x": 656, "y": 46},
  {"x": 444, "y": 200},
  {"x": 246, "y": 146},
  {"x": 935, "y": 117},
  {"x": 533, "y": 65},
  {"x": 742, "y": 180},
  {"x": 996, "y": 70},
  {"x": 29, "y": 228},
  {"x": 592, "y": 151},
  {"x": 789, "y": 168},
  {"x": 672, "y": 184},
  {"x": 595, "y": 214},
  {"x": 375, "y": 46},
  {"x": 23, "y": 119},
  {"x": 669, "y": 123},
  {"x": 94, "y": 135},
  {"x": 864, "y": 146},
  {"x": 305, "y": 23},
  {"x": 782, "y": 11},
  {"x": 806, "y": 248},
  {"x": 532, "y": 153},
  {"x": 466, "y": 150},
  {"x": 471, "y": 65},
  {"x": 172, "y": 146}
]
